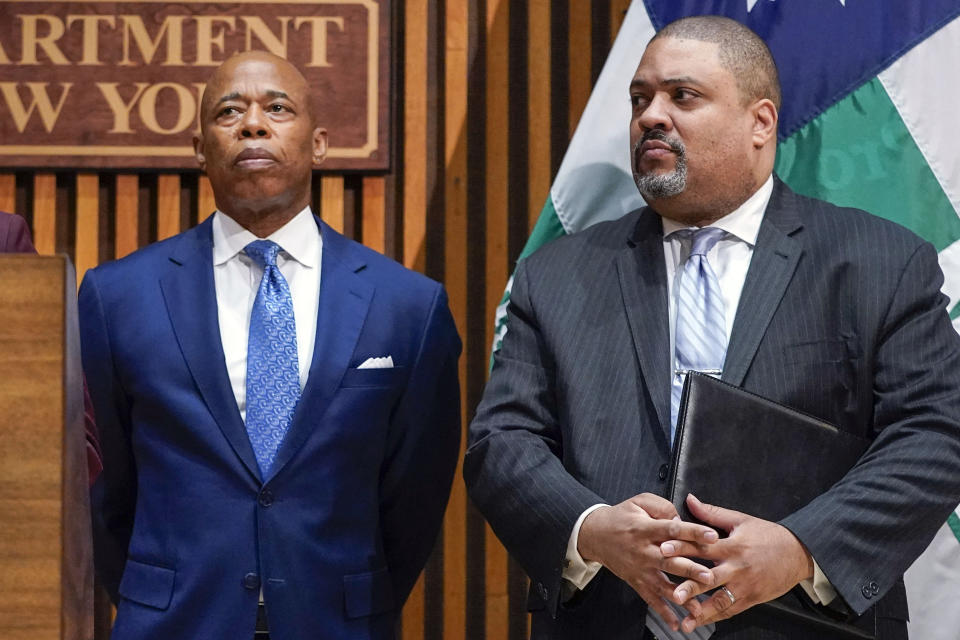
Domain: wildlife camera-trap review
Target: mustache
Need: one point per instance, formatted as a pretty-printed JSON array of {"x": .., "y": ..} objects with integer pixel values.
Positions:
[{"x": 676, "y": 145}]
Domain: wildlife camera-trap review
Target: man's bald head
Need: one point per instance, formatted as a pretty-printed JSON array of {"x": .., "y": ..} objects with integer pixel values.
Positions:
[
  {"x": 294, "y": 80},
  {"x": 741, "y": 51},
  {"x": 259, "y": 141}
]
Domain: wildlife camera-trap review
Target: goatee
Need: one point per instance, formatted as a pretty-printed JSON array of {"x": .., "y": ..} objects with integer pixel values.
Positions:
[{"x": 653, "y": 185}]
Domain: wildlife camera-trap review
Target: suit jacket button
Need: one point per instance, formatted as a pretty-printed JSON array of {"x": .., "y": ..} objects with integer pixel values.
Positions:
[
  {"x": 663, "y": 471},
  {"x": 251, "y": 581},
  {"x": 867, "y": 591},
  {"x": 874, "y": 588},
  {"x": 266, "y": 498}
]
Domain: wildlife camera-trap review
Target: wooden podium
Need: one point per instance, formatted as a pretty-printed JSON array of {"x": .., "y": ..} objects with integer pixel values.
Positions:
[{"x": 46, "y": 568}]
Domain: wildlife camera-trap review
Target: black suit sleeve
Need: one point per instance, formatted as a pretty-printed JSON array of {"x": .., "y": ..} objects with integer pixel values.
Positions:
[
  {"x": 869, "y": 528},
  {"x": 513, "y": 466},
  {"x": 113, "y": 496},
  {"x": 422, "y": 452}
]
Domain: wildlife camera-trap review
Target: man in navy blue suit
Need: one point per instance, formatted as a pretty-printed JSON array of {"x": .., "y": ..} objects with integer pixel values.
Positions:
[{"x": 229, "y": 508}]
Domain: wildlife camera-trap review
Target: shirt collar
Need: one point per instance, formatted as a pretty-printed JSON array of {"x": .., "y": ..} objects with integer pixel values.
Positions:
[
  {"x": 300, "y": 238},
  {"x": 743, "y": 222}
]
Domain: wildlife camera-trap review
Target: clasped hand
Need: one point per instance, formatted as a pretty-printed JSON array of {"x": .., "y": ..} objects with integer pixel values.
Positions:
[
  {"x": 758, "y": 561},
  {"x": 643, "y": 538},
  {"x": 627, "y": 539}
]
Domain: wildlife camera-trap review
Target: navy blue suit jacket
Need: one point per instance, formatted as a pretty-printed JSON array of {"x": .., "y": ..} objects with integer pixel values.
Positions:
[
  {"x": 840, "y": 316},
  {"x": 187, "y": 533}
]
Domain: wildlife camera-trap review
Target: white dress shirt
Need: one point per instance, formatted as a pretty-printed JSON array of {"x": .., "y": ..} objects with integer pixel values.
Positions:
[
  {"x": 730, "y": 259},
  {"x": 237, "y": 278}
]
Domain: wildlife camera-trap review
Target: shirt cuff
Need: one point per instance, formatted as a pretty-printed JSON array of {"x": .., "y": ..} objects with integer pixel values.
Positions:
[
  {"x": 818, "y": 588},
  {"x": 576, "y": 570}
]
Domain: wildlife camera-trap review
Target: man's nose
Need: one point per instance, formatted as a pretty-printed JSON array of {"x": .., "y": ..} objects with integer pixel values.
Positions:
[
  {"x": 656, "y": 115},
  {"x": 254, "y": 123}
]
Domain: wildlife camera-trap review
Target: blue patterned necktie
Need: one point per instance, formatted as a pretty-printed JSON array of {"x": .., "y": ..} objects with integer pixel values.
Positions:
[
  {"x": 273, "y": 375},
  {"x": 701, "y": 345}
]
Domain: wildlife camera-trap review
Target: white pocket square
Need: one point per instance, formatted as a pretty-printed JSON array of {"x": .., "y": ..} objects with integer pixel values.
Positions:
[{"x": 385, "y": 362}]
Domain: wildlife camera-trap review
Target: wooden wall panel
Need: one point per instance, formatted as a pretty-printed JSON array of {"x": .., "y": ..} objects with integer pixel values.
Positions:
[
  {"x": 45, "y": 212},
  {"x": 87, "y": 214},
  {"x": 415, "y": 115},
  {"x": 126, "y": 216},
  {"x": 168, "y": 206},
  {"x": 416, "y": 39},
  {"x": 331, "y": 201},
  {"x": 539, "y": 112},
  {"x": 373, "y": 224},
  {"x": 579, "y": 55},
  {"x": 455, "y": 277},
  {"x": 497, "y": 174},
  {"x": 8, "y": 192},
  {"x": 205, "y": 202},
  {"x": 488, "y": 93}
]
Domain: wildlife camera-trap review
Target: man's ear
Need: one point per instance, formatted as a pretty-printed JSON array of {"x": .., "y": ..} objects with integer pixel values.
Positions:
[
  {"x": 764, "y": 122},
  {"x": 319, "y": 145},
  {"x": 198, "y": 152}
]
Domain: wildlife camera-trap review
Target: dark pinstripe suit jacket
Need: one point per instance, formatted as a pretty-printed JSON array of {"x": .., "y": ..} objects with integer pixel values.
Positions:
[{"x": 841, "y": 316}]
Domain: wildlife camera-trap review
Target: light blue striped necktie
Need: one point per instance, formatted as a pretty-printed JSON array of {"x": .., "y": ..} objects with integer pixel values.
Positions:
[
  {"x": 701, "y": 333},
  {"x": 701, "y": 345},
  {"x": 273, "y": 375}
]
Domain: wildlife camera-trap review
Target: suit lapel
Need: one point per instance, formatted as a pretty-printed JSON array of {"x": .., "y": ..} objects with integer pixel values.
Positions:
[
  {"x": 191, "y": 300},
  {"x": 345, "y": 299},
  {"x": 643, "y": 285},
  {"x": 774, "y": 261}
]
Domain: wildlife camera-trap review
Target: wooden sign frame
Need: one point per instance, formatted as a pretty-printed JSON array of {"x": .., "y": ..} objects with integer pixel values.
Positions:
[{"x": 116, "y": 85}]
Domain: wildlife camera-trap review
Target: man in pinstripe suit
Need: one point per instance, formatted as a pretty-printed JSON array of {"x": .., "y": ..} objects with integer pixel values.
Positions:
[{"x": 829, "y": 310}]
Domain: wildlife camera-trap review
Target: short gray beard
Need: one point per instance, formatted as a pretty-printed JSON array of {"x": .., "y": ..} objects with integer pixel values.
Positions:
[{"x": 653, "y": 185}]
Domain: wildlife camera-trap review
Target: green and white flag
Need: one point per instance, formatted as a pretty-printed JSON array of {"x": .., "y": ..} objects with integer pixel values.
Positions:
[{"x": 869, "y": 121}]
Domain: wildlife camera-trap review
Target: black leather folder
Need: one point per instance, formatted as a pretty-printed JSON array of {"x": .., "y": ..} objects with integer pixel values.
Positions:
[{"x": 738, "y": 450}]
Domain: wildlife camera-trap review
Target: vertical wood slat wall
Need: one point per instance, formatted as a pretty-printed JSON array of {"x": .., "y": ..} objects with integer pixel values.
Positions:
[{"x": 487, "y": 94}]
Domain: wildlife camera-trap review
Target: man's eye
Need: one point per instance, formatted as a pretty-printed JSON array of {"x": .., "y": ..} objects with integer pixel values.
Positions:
[
  {"x": 684, "y": 94},
  {"x": 637, "y": 101},
  {"x": 277, "y": 108},
  {"x": 228, "y": 111}
]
